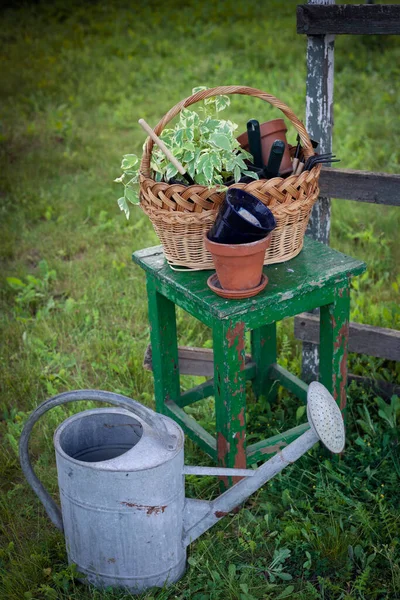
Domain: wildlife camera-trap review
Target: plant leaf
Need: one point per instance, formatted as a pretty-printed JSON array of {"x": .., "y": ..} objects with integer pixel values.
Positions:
[
  {"x": 221, "y": 141},
  {"x": 300, "y": 412},
  {"x": 208, "y": 169},
  {"x": 178, "y": 137},
  {"x": 122, "y": 203},
  {"x": 171, "y": 171},
  {"x": 216, "y": 161},
  {"x": 237, "y": 173},
  {"x": 131, "y": 195},
  {"x": 15, "y": 283},
  {"x": 199, "y": 88},
  {"x": 209, "y": 125},
  {"x": 286, "y": 592},
  {"x": 129, "y": 161},
  {"x": 251, "y": 174},
  {"x": 284, "y": 576},
  {"x": 221, "y": 102}
]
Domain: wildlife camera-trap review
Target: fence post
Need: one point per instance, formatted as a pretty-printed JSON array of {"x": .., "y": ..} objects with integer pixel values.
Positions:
[{"x": 319, "y": 123}]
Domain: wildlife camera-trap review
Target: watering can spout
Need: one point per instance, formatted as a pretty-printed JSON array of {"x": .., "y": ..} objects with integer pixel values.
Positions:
[{"x": 326, "y": 425}]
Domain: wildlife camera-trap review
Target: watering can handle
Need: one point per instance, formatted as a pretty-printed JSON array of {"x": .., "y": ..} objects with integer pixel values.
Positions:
[{"x": 149, "y": 416}]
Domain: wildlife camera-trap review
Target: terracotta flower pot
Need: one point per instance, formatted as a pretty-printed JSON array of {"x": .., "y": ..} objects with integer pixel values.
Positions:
[
  {"x": 238, "y": 266},
  {"x": 269, "y": 132}
]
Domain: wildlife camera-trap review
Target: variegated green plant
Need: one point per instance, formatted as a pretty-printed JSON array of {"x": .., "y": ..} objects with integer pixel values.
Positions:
[{"x": 204, "y": 144}]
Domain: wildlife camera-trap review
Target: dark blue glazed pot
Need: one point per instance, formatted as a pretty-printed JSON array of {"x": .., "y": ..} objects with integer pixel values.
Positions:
[{"x": 241, "y": 219}]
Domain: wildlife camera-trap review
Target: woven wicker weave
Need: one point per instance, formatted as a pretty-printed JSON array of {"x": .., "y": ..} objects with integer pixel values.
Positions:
[{"x": 181, "y": 215}]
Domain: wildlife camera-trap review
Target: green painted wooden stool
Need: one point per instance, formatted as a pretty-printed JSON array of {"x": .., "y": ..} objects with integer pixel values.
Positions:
[{"x": 317, "y": 277}]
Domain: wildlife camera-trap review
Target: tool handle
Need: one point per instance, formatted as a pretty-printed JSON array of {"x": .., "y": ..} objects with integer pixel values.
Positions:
[
  {"x": 162, "y": 146},
  {"x": 299, "y": 168},
  {"x": 149, "y": 416},
  {"x": 275, "y": 159},
  {"x": 254, "y": 138}
]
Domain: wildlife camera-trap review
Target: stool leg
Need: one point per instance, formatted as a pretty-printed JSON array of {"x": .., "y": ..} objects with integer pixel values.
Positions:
[
  {"x": 164, "y": 347},
  {"x": 230, "y": 396},
  {"x": 263, "y": 352},
  {"x": 334, "y": 334}
]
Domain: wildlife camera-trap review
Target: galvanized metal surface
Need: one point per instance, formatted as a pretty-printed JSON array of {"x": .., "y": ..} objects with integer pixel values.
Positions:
[
  {"x": 124, "y": 514},
  {"x": 217, "y": 471},
  {"x": 153, "y": 419}
]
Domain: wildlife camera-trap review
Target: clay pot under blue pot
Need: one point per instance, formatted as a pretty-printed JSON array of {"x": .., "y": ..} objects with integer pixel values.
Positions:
[{"x": 242, "y": 219}]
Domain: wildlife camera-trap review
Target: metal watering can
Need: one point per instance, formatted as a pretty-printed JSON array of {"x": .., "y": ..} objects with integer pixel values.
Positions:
[{"x": 121, "y": 473}]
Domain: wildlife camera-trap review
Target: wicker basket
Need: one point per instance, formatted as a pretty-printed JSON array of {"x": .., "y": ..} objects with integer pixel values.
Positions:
[{"x": 181, "y": 215}]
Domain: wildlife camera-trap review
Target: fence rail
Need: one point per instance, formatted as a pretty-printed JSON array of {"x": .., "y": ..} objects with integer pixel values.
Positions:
[
  {"x": 363, "y": 186},
  {"x": 363, "y": 339},
  {"x": 365, "y": 19}
]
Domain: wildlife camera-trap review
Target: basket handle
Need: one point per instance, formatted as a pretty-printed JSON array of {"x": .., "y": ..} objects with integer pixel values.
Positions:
[{"x": 219, "y": 91}]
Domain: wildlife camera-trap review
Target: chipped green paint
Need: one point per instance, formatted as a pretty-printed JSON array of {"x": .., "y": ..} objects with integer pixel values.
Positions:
[
  {"x": 235, "y": 337},
  {"x": 310, "y": 278},
  {"x": 317, "y": 277},
  {"x": 263, "y": 351},
  {"x": 334, "y": 332},
  {"x": 165, "y": 346},
  {"x": 230, "y": 395}
]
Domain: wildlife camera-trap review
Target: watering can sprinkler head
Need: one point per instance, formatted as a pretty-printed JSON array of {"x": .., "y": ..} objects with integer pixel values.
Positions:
[
  {"x": 121, "y": 486},
  {"x": 325, "y": 418}
]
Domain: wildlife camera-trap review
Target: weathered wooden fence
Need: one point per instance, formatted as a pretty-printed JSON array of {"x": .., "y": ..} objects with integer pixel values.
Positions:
[{"x": 321, "y": 20}]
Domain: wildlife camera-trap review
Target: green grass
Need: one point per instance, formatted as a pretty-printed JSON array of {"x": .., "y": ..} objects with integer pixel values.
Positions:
[{"x": 75, "y": 80}]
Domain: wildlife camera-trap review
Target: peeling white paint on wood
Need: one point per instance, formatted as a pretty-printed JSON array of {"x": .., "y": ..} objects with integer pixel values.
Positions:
[
  {"x": 310, "y": 363},
  {"x": 319, "y": 124}
]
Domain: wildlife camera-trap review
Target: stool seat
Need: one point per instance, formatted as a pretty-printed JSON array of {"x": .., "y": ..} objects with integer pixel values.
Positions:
[
  {"x": 317, "y": 267},
  {"x": 318, "y": 277}
]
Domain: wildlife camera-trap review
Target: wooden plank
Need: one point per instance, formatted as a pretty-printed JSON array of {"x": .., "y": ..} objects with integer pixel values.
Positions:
[
  {"x": 319, "y": 124},
  {"x": 195, "y": 361},
  {"x": 363, "y": 186},
  {"x": 363, "y": 339},
  {"x": 315, "y": 269},
  {"x": 192, "y": 361},
  {"x": 333, "y": 346},
  {"x": 204, "y": 390},
  {"x": 230, "y": 396},
  {"x": 263, "y": 351},
  {"x": 386, "y": 389},
  {"x": 164, "y": 339},
  {"x": 319, "y": 114},
  {"x": 361, "y": 19}
]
